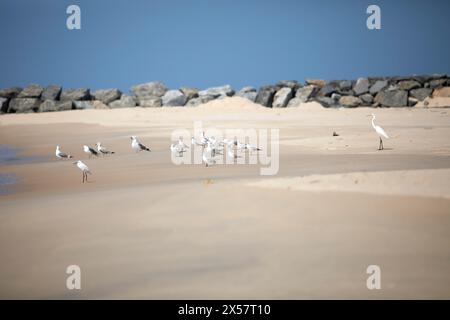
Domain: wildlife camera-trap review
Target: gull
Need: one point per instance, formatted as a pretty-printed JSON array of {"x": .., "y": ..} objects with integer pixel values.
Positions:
[
  {"x": 231, "y": 153},
  {"x": 101, "y": 149},
  {"x": 61, "y": 155},
  {"x": 204, "y": 139},
  {"x": 137, "y": 146},
  {"x": 90, "y": 151},
  {"x": 207, "y": 159},
  {"x": 84, "y": 168},
  {"x": 380, "y": 131},
  {"x": 181, "y": 143},
  {"x": 250, "y": 147},
  {"x": 240, "y": 146}
]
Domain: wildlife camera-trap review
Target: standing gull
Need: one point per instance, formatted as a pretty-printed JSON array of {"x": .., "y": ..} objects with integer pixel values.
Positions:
[
  {"x": 90, "y": 151},
  {"x": 102, "y": 150},
  {"x": 84, "y": 168},
  {"x": 61, "y": 155},
  {"x": 137, "y": 146},
  {"x": 207, "y": 159},
  {"x": 380, "y": 131}
]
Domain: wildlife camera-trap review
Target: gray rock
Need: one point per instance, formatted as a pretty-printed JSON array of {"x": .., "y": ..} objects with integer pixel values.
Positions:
[
  {"x": 336, "y": 97},
  {"x": 3, "y": 105},
  {"x": 367, "y": 99},
  {"x": 151, "y": 102},
  {"x": 75, "y": 94},
  {"x": 200, "y": 100},
  {"x": 265, "y": 96},
  {"x": 32, "y": 91},
  {"x": 361, "y": 86},
  {"x": 10, "y": 93},
  {"x": 125, "y": 101},
  {"x": 378, "y": 86},
  {"x": 107, "y": 95},
  {"x": 421, "y": 93},
  {"x": 51, "y": 92},
  {"x": 174, "y": 98},
  {"x": 412, "y": 102},
  {"x": 83, "y": 104},
  {"x": 437, "y": 83},
  {"x": 395, "y": 98},
  {"x": 248, "y": 93},
  {"x": 282, "y": 97},
  {"x": 408, "y": 85},
  {"x": 295, "y": 102},
  {"x": 148, "y": 91},
  {"x": 350, "y": 101},
  {"x": 328, "y": 89},
  {"x": 189, "y": 92},
  {"x": 216, "y": 92},
  {"x": 52, "y": 105},
  {"x": 23, "y": 105},
  {"x": 326, "y": 102},
  {"x": 346, "y": 85},
  {"x": 305, "y": 93},
  {"x": 293, "y": 84}
]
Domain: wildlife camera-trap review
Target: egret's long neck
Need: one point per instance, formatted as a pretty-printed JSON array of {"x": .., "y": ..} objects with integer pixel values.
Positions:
[{"x": 373, "y": 123}]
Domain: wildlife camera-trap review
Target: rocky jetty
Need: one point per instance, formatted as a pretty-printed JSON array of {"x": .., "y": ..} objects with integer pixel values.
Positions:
[{"x": 391, "y": 92}]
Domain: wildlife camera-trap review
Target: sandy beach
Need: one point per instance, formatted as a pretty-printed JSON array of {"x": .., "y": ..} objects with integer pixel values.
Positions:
[{"x": 145, "y": 228}]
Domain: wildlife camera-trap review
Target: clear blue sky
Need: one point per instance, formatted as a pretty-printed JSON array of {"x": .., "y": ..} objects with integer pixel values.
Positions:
[{"x": 210, "y": 42}]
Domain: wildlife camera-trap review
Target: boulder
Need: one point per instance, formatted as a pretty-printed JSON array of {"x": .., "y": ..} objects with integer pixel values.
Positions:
[
  {"x": 378, "y": 86},
  {"x": 282, "y": 97},
  {"x": 75, "y": 94},
  {"x": 3, "y": 105},
  {"x": 32, "y": 91},
  {"x": 295, "y": 102},
  {"x": 189, "y": 92},
  {"x": 199, "y": 100},
  {"x": 441, "y": 92},
  {"x": 265, "y": 96},
  {"x": 361, "y": 86},
  {"x": 51, "y": 92},
  {"x": 328, "y": 89},
  {"x": 125, "y": 101},
  {"x": 350, "y": 101},
  {"x": 293, "y": 84},
  {"x": 345, "y": 85},
  {"x": 316, "y": 82},
  {"x": 23, "y": 105},
  {"x": 107, "y": 95},
  {"x": 394, "y": 98},
  {"x": 421, "y": 93},
  {"x": 174, "y": 98},
  {"x": 10, "y": 93},
  {"x": 83, "y": 104},
  {"x": 412, "y": 101},
  {"x": 326, "y": 102},
  {"x": 151, "y": 102},
  {"x": 367, "y": 99},
  {"x": 437, "y": 83},
  {"x": 52, "y": 105},
  {"x": 248, "y": 93},
  {"x": 305, "y": 93},
  {"x": 408, "y": 85},
  {"x": 149, "y": 92},
  {"x": 216, "y": 92}
]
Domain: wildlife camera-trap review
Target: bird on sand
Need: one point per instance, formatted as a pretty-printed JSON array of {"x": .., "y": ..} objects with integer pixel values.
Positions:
[
  {"x": 84, "y": 169},
  {"x": 380, "y": 132},
  {"x": 177, "y": 150},
  {"x": 207, "y": 159},
  {"x": 102, "y": 150},
  {"x": 90, "y": 151},
  {"x": 137, "y": 146},
  {"x": 61, "y": 155}
]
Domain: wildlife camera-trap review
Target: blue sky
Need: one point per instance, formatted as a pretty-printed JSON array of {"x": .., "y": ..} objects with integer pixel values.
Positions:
[{"x": 205, "y": 43}]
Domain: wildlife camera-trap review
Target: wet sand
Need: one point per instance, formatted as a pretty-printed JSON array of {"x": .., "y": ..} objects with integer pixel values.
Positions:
[{"x": 146, "y": 228}]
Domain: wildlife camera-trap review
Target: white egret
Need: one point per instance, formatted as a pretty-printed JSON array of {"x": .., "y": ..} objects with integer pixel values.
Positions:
[
  {"x": 84, "y": 169},
  {"x": 380, "y": 131}
]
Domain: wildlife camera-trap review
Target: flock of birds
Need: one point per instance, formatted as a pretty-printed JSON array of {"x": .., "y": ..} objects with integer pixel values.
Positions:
[{"x": 210, "y": 145}]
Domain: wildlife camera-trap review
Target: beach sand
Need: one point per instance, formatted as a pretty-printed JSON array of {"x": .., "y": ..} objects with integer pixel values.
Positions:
[{"x": 146, "y": 228}]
